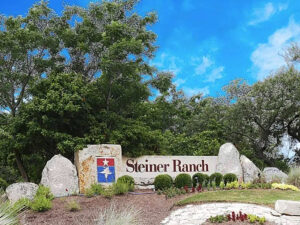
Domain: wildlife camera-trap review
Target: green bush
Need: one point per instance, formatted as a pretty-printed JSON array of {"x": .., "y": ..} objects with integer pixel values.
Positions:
[
  {"x": 229, "y": 177},
  {"x": 183, "y": 180},
  {"x": 44, "y": 191},
  {"x": 294, "y": 177},
  {"x": 201, "y": 178},
  {"x": 120, "y": 188},
  {"x": 126, "y": 179},
  {"x": 41, "y": 204},
  {"x": 163, "y": 181},
  {"x": 73, "y": 206},
  {"x": 217, "y": 177},
  {"x": 3, "y": 184},
  {"x": 89, "y": 193}
]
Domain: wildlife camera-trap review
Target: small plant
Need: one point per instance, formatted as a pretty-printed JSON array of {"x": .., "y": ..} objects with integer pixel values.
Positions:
[
  {"x": 108, "y": 192},
  {"x": 213, "y": 185},
  {"x": 254, "y": 219},
  {"x": 120, "y": 188},
  {"x": 229, "y": 177},
  {"x": 235, "y": 184},
  {"x": 73, "y": 206},
  {"x": 172, "y": 192},
  {"x": 186, "y": 188},
  {"x": 182, "y": 180},
  {"x": 23, "y": 203},
  {"x": 233, "y": 216},
  {"x": 222, "y": 185},
  {"x": 163, "y": 181},
  {"x": 41, "y": 203},
  {"x": 89, "y": 193},
  {"x": 199, "y": 188},
  {"x": 9, "y": 213},
  {"x": 208, "y": 186},
  {"x": 97, "y": 189},
  {"x": 127, "y": 179},
  {"x": 218, "y": 219},
  {"x": 217, "y": 178},
  {"x": 44, "y": 191}
]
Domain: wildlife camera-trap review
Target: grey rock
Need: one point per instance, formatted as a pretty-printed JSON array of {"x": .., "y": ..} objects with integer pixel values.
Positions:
[
  {"x": 288, "y": 207},
  {"x": 250, "y": 171},
  {"x": 272, "y": 172},
  {"x": 17, "y": 191},
  {"x": 60, "y": 176},
  {"x": 229, "y": 160}
]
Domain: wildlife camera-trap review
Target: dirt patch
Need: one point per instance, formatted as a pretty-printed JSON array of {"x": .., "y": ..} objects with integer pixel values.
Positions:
[{"x": 154, "y": 208}]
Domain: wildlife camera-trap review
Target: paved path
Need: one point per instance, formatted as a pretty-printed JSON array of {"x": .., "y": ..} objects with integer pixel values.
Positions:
[{"x": 198, "y": 214}]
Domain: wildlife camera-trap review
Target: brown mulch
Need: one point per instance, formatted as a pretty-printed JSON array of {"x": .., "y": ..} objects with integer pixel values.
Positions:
[{"x": 154, "y": 208}]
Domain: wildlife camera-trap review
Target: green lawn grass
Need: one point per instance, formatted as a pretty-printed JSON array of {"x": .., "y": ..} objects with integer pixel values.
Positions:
[{"x": 262, "y": 197}]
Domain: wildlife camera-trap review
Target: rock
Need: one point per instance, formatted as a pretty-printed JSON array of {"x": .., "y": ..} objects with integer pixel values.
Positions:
[
  {"x": 229, "y": 160},
  {"x": 17, "y": 191},
  {"x": 86, "y": 163},
  {"x": 271, "y": 173},
  {"x": 287, "y": 207},
  {"x": 60, "y": 176},
  {"x": 250, "y": 171}
]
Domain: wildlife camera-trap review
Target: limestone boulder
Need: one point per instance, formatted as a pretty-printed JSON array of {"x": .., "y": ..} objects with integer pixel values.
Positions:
[
  {"x": 60, "y": 175},
  {"x": 250, "y": 171},
  {"x": 17, "y": 191},
  {"x": 271, "y": 173},
  {"x": 287, "y": 207},
  {"x": 229, "y": 160}
]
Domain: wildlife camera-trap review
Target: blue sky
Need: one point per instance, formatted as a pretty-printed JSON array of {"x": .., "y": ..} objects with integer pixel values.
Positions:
[{"x": 208, "y": 43}]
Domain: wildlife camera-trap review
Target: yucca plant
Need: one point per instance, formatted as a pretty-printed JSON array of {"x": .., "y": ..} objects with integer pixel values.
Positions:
[{"x": 9, "y": 213}]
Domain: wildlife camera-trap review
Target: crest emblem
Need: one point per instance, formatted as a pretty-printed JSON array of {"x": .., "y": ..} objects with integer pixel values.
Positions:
[{"x": 106, "y": 170}]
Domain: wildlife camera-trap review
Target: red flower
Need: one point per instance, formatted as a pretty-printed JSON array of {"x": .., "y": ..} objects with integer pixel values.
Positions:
[
  {"x": 66, "y": 189},
  {"x": 186, "y": 189},
  {"x": 233, "y": 216}
]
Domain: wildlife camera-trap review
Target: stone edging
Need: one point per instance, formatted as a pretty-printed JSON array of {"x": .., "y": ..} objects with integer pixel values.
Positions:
[{"x": 198, "y": 214}]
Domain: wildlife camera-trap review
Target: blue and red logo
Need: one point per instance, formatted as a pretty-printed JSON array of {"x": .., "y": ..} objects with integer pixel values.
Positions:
[{"x": 106, "y": 170}]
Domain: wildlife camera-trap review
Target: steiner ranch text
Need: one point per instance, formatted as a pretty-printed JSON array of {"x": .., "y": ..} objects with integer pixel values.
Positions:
[{"x": 176, "y": 166}]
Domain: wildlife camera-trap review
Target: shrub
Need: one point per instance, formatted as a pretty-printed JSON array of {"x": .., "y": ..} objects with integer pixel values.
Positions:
[
  {"x": 229, "y": 177},
  {"x": 182, "y": 180},
  {"x": 126, "y": 179},
  {"x": 89, "y": 193},
  {"x": 163, "y": 181},
  {"x": 44, "y": 191},
  {"x": 41, "y": 203},
  {"x": 172, "y": 192},
  {"x": 284, "y": 187},
  {"x": 123, "y": 216},
  {"x": 217, "y": 177},
  {"x": 213, "y": 185},
  {"x": 97, "y": 189},
  {"x": 3, "y": 184},
  {"x": 73, "y": 206},
  {"x": 120, "y": 188},
  {"x": 201, "y": 178},
  {"x": 9, "y": 213},
  {"x": 108, "y": 192},
  {"x": 294, "y": 177}
]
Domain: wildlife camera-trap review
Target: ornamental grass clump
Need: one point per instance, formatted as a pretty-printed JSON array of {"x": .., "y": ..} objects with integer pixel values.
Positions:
[
  {"x": 294, "y": 177},
  {"x": 183, "y": 180},
  {"x": 73, "y": 206},
  {"x": 9, "y": 213},
  {"x": 116, "y": 216},
  {"x": 163, "y": 181}
]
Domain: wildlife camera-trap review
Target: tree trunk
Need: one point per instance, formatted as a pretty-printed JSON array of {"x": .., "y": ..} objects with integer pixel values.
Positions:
[{"x": 20, "y": 166}]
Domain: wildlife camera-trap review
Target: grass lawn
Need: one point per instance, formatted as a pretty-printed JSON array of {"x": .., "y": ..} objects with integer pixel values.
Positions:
[{"x": 262, "y": 197}]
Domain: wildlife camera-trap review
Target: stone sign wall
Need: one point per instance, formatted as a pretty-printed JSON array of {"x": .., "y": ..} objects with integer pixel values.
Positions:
[{"x": 144, "y": 169}]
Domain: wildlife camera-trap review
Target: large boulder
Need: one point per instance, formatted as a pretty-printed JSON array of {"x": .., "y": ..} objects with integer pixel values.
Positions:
[
  {"x": 250, "y": 171},
  {"x": 271, "y": 173},
  {"x": 229, "y": 160},
  {"x": 17, "y": 191},
  {"x": 287, "y": 207},
  {"x": 60, "y": 176}
]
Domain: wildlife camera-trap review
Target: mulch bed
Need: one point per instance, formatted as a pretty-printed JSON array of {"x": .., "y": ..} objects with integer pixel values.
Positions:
[
  {"x": 154, "y": 208},
  {"x": 238, "y": 223}
]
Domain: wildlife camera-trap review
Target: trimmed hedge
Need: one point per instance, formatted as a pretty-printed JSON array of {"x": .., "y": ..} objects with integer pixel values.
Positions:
[
  {"x": 201, "y": 177},
  {"x": 217, "y": 177},
  {"x": 229, "y": 177},
  {"x": 163, "y": 181},
  {"x": 183, "y": 180},
  {"x": 126, "y": 179}
]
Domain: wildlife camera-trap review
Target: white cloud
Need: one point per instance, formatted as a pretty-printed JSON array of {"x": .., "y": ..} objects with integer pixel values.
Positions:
[
  {"x": 194, "y": 91},
  {"x": 266, "y": 57},
  {"x": 179, "y": 82},
  {"x": 168, "y": 62},
  {"x": 215, "y": 74},
  {"x": 264, "y": 13},
  {"x": 206, "y": 62}
]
